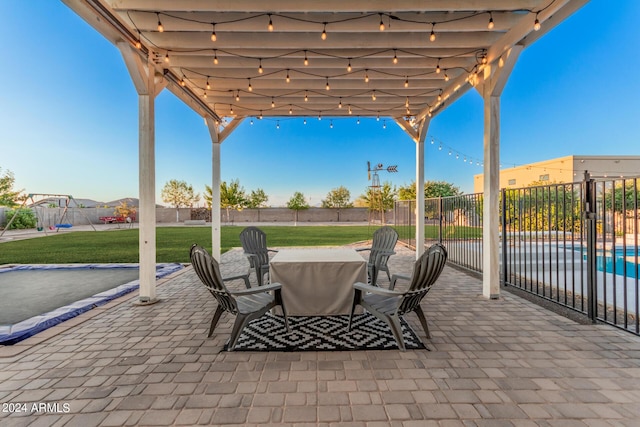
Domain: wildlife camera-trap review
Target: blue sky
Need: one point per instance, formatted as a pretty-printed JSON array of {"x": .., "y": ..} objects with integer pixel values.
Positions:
[{"x": 69, "y": 116}]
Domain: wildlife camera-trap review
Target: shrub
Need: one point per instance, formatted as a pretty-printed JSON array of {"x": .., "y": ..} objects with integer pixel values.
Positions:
[{"x": 25, "y": 218}]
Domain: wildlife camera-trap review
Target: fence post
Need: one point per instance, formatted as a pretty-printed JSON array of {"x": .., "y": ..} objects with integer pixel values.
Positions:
[
  {"x": 503, "y": 203},
  {"x": 440, "y": 214},
  {"x": 590, "y": 225}
]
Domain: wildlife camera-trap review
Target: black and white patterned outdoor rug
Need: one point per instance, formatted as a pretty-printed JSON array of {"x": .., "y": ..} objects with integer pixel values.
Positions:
[{"x": 323, "y": 333}]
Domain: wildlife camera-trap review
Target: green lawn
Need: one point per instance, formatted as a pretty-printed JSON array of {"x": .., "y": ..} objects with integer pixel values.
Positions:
[{"x": 172, "y": 243}]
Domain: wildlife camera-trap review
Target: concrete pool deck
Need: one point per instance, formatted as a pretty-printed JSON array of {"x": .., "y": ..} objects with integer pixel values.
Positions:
[{"x": 504, "y": 362}]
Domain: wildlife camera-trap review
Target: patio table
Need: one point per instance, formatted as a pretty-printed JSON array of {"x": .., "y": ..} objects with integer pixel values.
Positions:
[{"x": 317, "y": 281}]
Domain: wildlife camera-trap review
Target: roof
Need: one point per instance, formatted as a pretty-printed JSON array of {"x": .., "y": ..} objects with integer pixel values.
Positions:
[{"x": 402, "y": 59}]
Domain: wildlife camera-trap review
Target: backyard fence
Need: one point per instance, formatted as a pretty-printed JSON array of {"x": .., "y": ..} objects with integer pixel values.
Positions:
[{"x": 573, "y": 244}]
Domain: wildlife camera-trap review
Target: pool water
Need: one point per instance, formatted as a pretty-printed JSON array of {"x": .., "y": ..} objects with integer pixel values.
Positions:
[{"x": 617, "y": 260}]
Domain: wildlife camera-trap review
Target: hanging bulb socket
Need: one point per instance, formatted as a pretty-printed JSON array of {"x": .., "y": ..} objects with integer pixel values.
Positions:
[
  {"x": 536, "y": 23},
  {"x": 490, "y": 25},
  {"x": 323, "y": 36},
  {"x": 270, "y": 25},
  {"x": 214, "y": 37}
]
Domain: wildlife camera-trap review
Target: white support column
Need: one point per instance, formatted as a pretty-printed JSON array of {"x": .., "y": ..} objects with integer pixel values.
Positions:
[
  {"x": 422, "y": 134},
  {"x": 216, "y": 244},
  {"x": 493, "y": 82},
  {"x": 144, "y": 80}
]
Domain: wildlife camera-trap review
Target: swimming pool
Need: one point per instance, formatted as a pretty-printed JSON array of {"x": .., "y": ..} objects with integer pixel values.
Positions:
[
  {"x": 618, "y": 259},
  {"x": 35, "y": 298}
]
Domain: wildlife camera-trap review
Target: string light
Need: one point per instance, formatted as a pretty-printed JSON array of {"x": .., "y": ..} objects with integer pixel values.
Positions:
[
  {"x": 270, "y": 26},
  {"x": 304, "y": 122},
  {"x": 306, "y": 60},
  {"x": 358, "y": 121},
  {"x": 250, "y": 88},
  {"x": 260, "y": 70},
  {"x": 287, "y": 79},
  {"x": 381, "y": 23},
  {"x": 251, "y": 122},
  {"x": 440, "y": 95},
  {"x": 536, "y": 23},
  {"x": 446, "y": 76},
  {"x": 208, "y": 85},
  {"x": 238, "y": 96},
  {"x": 491, "y": 24},
  {"x": 230, "y": 109},
  {"x": 340, "y": 103},
  {"x": 320, "y": 116},
  {"x": 366, "y": 76},
  {"x": 395, "y": 57},
  {"x": 290, "y": 110},
  {"x": 432, "y": 36},
  {"x": 160, "y": 27},
  {"x": 306, "y": 98},
  {"x": 324, "y": 31},
  {"x": 327, "y": 87},
  {"x": 349, "y": 66},
  {"x": 182, "y": 83},
  {"x": 204, "y": 95},
  {"x": 438, "y": 67},
  {"x": 349, "y": 108},
  {"x": 406, "y": 103},
  {"x": 273, "y": 104},
  {"x": 214, "y": 37},
  {"x": 373, "y": 95},
  {"x": 138, "y": 42},
  {"x": 260, "y": 116},
  {"x": 406, "y": 81},
  {"x": 166, "y": 57},
  {"x": 215, "y": 57},
  {"x": 378, "y": 117},
  {"x": 331, "y": 124}
]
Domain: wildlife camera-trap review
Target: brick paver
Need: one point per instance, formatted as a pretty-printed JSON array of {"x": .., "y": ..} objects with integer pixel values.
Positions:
[{"x": 502, "y": 362}]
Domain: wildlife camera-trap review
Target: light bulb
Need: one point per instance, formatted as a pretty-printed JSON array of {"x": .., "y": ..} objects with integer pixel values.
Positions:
[
  {"x": 160, "y": 27},
  {"x": 432, "y": 36},
  {"x": 373, "y": 95},
  {"x": 327, "y": 86},
  {"x": 208, "y": 85},
  {"x": 395, "y": 57},
  {"x": 306, "y": 98},
  {"x": 250, "y": 88},
  {"x": 491, "y": 24},
  {"x": 378, "y": 117},
  {"x": 331, "y": 124},
  {"x": 406, "y": 103},
  {"x": 260, "y": 116},
  {"x": 230, "y": 109},
  {"x": 138, "y": 44},
  {"x": 166, "y": 57},
  {"x": 349, "y": 108},
  {"x": 440, "y": 95},
  {"x": 366, "y": 76},
  {"x": 340, "y": 103},
  {"x": 290, "y": 110},
  {"x": 288, "y": 79},
  {"x": 446, "y": 77},
  {"x": 273, "y": 103},
  {"x": 324, "y": 32},
  {"x": 438, "y": 68},
  {"x": 358, "y": 121},
  {"x": 381, "y": 23},
  {"x": 278, "y": 124},
  {"x": 406, "y": 82},
  {"x": 384, "y": 124},
  {"x": 182, "y": 83},
  {"x": 319, "y": 116},
  {"x": 270, "y": 26},
  {"x": 349, "y": 66},
  {"x": 260, "y": 70},
  {"x": 536, "y": 24},
  {"x": 213, "y": 33},
  {"x": 306, "y": 61},
  {"x": 304, "y": 122},
  {"x": 215, "y": 58},
  {"x": 251, "y": 122},
  {"x": 238, "y": 96},
  {"x": 205, "y": 95}
]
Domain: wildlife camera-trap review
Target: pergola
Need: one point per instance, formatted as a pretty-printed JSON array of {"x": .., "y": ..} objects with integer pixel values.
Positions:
[{"x": 406, "y": 60}]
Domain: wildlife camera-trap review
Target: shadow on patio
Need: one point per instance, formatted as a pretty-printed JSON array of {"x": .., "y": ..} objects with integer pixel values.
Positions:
[{"x": 503, "y": 362}]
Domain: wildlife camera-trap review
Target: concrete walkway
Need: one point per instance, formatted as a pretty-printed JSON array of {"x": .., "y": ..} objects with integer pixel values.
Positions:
[{"x": 505, "y": 362}]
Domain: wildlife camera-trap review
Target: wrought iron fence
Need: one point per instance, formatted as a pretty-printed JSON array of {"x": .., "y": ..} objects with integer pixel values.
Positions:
[{"x": 574, "y": 244}]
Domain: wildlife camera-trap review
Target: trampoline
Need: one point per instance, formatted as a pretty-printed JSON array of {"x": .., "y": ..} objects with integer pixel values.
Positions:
[{"x": 35, "y": 298}]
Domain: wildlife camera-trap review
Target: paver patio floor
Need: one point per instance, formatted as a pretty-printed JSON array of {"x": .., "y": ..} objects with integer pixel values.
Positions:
[{"x": 503, "y": 362}]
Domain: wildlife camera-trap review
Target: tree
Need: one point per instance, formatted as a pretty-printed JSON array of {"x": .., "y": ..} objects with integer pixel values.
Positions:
[
  {"x": 232, "y": 196},
  {"x": 297, "y": 202},
  {"x": 257, "y": 199},
  {"x": 382, "y": 201},
  {"x": 8, "y": 197},
  {"x": 338, "y": 198},
  {"x": 432, "y": 189},
  {"x": 179, "y": 194}
]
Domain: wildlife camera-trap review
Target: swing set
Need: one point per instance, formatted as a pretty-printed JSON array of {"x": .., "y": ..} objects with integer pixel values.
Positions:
[{"x": 57, "y": 225}]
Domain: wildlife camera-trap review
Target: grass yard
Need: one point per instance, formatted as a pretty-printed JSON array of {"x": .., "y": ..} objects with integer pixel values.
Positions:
[{"x": 172, "y": 243}]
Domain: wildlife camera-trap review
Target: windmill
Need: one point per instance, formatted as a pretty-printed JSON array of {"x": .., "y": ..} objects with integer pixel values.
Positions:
[{"x": 376, "y": 192}]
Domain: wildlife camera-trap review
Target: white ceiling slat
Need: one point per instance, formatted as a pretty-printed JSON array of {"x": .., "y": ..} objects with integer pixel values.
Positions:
[{"x": 463, "y": 41}]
